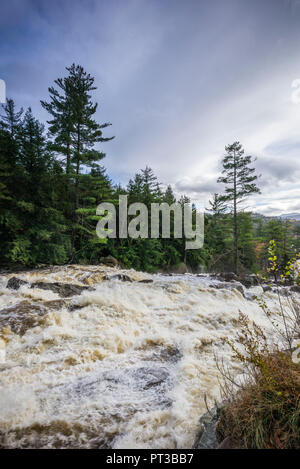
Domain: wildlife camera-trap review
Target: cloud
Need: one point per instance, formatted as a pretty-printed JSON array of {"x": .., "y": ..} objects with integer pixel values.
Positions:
[
  {"x": 196, "y": 186},
  {"x": 295, "y": 96},
  {"x": 274, "y": 172},
  {"x": 175, "y": 79}
]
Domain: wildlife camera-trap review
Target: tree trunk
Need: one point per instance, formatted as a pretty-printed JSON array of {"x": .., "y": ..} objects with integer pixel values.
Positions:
[
  {"x": 75, "y": 216},
  {"x": 77, "y": 168},
  {"x": 235, "y": 228},
  {"x": 68, "y": 165}
]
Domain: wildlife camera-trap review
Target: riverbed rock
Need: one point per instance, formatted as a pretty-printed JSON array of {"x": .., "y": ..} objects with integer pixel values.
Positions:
[
  {"x": 110, "y": 261},
  {"x": 121, "y": 277},
  {"x": 21, "y": 317},
  {"x": 170, "y": 353},
  {"x": 249, "y": 280},
  {"x": 75, "y": 306},
  {"x": 207, "y": 437},
  {"x": 64, "y": 290},
  {"x": 229, "y": 286},
  {"x": 229, "y": 276},
  {"x": 267, "y": 288},
  {"x": 14, "y": 283},
  {"x": 146, "y": 280},
  {"x": 164, "y": 353},
  {"x": 295, "y": 288},
  {"x": 55, "y": 304},
  {"x": 149, "y": 377}
]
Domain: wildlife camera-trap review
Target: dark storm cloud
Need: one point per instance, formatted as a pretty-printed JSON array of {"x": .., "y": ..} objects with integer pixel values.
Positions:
[{"x": 178, "y": 80}]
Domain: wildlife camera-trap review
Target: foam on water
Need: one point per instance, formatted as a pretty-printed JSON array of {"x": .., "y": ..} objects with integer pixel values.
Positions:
[{"x": 128, "y": 368}]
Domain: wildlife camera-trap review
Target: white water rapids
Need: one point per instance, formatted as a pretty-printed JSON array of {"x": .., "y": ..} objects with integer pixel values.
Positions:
[{"x": 128, "y": 368}]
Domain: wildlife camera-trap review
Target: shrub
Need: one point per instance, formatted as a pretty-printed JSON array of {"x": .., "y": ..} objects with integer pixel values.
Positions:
[
  {"x": 265, "y": 412},
  {"x": 262, "y": 410}
]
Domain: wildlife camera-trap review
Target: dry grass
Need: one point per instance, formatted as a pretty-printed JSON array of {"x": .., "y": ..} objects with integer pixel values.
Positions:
[{"x": 265, "y": 412}]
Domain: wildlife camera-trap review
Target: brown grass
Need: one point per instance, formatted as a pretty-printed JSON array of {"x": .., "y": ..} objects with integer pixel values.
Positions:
[{"x": 264, "y": 413}]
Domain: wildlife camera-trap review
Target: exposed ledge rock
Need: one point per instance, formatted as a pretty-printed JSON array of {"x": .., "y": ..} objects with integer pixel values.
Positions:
[
  {"x": 207, "y": 437},
  {"x": 229, "y": 286},
  {"x": 14, "y": 283},
  {"x": 64, "y": 290},
  {"x": 121, "y": 277}
]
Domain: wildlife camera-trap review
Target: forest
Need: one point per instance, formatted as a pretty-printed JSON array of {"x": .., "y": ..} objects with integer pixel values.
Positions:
[{"x": 52, "y": 179}]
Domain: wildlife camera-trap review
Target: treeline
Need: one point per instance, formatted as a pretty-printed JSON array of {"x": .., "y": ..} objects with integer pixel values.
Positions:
[{"x": 51, "y": 182}]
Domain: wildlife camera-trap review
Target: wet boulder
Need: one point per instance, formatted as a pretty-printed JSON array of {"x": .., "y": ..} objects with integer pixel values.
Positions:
[
  {"x": 229, "y": 276},
  {"x": 249, "y": 280},
  {"x": 22, "y": 317},
  {"x": 146, "y": 280},
  {"x": 267, "y": 288},
  {"x": 121, "y": 277},
  {"x": 64, "y": 290},
  {"x": 295, "y": 288},
  {"x": 55, "y": 304},
  {"x": 75, "y": 307},
  {"x": 109, "y": 260},
  {"x": 229, "y": 286},
  {"x": 149, "y": 377},
  {"x": 170, "y": 353},
  {"x": 207, "y": 436},
  {"x": 14, "y": 283}
]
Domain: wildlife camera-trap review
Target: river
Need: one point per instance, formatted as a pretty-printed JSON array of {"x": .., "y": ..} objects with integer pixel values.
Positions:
[{"x": 122, "y": 365}]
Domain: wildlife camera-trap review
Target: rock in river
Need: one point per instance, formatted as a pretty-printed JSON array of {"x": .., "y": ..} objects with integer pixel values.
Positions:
[
  {"x": 64, "y": 290},
  {"x": 14, "y": 283}
]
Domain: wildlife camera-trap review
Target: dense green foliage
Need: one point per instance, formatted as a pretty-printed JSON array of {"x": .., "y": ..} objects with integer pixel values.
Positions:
[{"x": 51, "y": 182}]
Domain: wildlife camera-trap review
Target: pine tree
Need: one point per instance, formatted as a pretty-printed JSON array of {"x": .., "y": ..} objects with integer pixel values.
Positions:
[
  {"x": 144, "y": 188},
  {"x": 246, "y": 241},
  {"x": 168, "y": 196},
  {"x": 11, "y": 119},
  {"x": 217, "y": 205},
  {"x": 95, "y": 188},
  {"x": 40, "y": 231},
  {"x": 239, "y": 179},
  {"x": 60, "y": 126},
  {"x": 11, "y": 176},
  {"x": 85, "y": 132},
  {"x": 75, "y": 135},
  {"x": 217, "y": 232}
]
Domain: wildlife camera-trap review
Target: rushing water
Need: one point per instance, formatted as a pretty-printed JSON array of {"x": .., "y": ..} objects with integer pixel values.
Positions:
[{"x": 125, "y": 365}]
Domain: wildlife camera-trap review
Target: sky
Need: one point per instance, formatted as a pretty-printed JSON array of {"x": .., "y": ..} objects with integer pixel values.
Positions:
[{"x": 178, "y": 80}]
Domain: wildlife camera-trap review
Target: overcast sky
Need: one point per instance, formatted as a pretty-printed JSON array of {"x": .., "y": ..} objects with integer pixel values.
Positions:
[{"x": 178, "y": 80}]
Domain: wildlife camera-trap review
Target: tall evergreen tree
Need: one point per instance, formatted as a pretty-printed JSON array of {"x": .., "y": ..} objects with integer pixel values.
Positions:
[
  {"x": 240, "y": 180},
  {"x": 11, "y": 119},
  {"x": 11, "y": 176},
  {"x": 217, "y": 231},
  {"x": 86, "y": 132},
  {"x": 73, "y": 126},
  {"x": 60, "y": 126},
  {"x": 75, "y": 135},
  {"x": 169, "y": 196}
]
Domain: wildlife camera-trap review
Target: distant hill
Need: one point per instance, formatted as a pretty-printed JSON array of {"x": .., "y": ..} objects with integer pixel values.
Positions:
[
  {"x": 291, "y": 216},
  {"x": 285, "y": 216}
]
